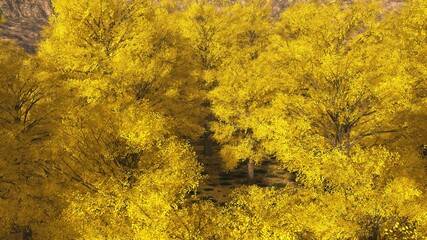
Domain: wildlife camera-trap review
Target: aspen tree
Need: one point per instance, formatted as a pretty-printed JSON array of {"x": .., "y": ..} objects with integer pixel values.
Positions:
[
  {"x": 121, "y": 51},
  {"x": 27, "y": 187},
  {"x": 241, "y": 86},
  {"x": 129, "y": 100},
  {"x": 343, "y": 94}
]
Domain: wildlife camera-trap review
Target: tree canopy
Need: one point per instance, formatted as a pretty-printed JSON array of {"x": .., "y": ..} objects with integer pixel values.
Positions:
[{"x": 98, "y": 129}]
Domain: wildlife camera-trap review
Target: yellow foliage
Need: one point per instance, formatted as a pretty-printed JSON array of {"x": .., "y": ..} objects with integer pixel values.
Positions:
[
  {"x": 27, "y": 187},
  {"x": 122, "y": 53},
  {"x": 94, "y": 128},
  {"x": 241, "y": 86}
]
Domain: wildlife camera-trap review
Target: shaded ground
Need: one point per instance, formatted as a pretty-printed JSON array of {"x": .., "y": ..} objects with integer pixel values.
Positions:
[{"x": 219, "y": 183}]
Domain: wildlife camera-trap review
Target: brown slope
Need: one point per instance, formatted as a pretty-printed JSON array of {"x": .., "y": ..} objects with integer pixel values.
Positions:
[{"x": 24, "y": 21}]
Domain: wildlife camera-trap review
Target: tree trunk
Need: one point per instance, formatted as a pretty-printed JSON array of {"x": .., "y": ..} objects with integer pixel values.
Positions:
[
  {"x": 207, "y": 143},
  {"x": 251, "y": 167},
  {"x": 27, "y": 234}
]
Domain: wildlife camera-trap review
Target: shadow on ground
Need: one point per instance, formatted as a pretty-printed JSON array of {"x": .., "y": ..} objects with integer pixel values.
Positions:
[{"x": 219, "y": 183}]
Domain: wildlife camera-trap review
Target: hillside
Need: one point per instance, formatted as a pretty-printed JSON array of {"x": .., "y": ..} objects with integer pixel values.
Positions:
[{"x": 24, "y": 21}]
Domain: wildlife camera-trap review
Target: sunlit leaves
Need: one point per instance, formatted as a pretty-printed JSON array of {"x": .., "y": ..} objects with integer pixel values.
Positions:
[
  {"x": 333, "y": 91},
  {"x": 242, "y": 86}
]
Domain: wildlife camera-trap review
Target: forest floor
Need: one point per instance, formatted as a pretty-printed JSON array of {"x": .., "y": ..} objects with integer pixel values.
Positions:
[{"x": 219, "y": 183}]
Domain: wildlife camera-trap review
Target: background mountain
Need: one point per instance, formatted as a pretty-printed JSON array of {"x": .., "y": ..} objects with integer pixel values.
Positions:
[{"x": 24, "y": 21}]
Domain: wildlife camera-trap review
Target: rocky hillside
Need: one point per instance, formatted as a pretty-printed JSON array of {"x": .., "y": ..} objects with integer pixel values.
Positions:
[{"x": 24, "y": 21}]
